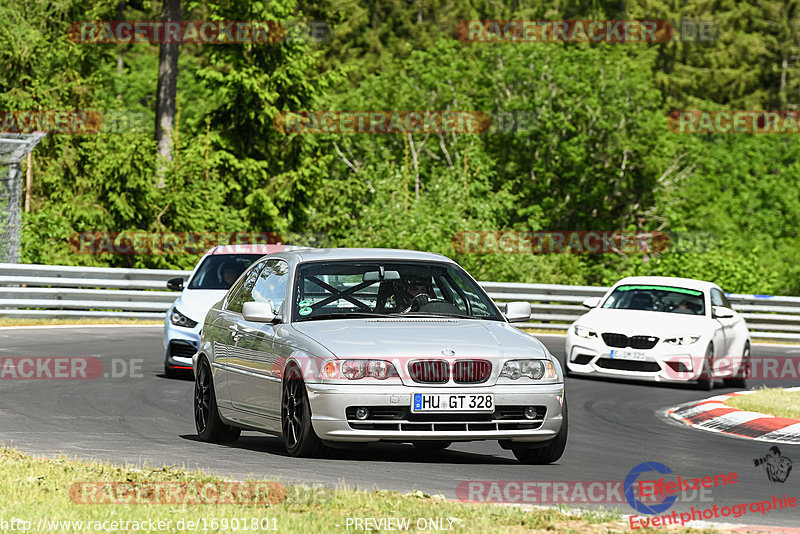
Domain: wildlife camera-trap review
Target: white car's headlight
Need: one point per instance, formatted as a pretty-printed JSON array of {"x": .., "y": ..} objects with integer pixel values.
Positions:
[
  {"x": 358, "y": 369},
  {"x": 582, "y": 331},
  {"x": 535, "y": 369},
  {"x": 179, "y": 319},
  {"x": 683, "y": 340}
]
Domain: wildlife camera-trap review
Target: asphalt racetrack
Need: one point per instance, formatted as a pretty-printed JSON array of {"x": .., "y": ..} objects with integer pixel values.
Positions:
[{"x": 142, "y": 417}]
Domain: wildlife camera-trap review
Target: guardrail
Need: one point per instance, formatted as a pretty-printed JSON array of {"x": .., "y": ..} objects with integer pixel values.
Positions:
[{"x": 86, "y": 292}]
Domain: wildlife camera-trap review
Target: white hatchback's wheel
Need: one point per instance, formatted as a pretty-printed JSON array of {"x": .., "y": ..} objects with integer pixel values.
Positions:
[
  {"x": 739, "y": 380},
  {"x": 706, "y": 379}
]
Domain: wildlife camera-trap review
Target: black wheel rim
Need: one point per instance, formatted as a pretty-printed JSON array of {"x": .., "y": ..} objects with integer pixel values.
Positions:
[
  {"x": 202, "y": 398},
  {"x": 292, "y": 406}
]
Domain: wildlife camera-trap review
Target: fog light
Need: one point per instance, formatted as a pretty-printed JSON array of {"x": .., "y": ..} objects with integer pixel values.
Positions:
[
  {"x": 530, "y": 412},
  {"x": 362, "y": 413}
]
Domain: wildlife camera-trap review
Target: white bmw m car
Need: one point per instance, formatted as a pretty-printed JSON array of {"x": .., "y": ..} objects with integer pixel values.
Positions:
[{"x": 662, "y": 329}]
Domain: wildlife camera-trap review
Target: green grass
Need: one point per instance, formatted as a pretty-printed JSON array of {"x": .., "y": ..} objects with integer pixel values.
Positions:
[
  {"x": 33, "y": 488},
  {"x": 772, "y": 401}
]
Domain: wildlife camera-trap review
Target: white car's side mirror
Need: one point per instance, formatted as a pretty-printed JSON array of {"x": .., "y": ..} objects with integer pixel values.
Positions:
[
  {"x": 517, "y": 312},
  {"x": 591, "y": 302},
  {"x": 721, "y": 312},
  {"x": 258, "y": 312}
]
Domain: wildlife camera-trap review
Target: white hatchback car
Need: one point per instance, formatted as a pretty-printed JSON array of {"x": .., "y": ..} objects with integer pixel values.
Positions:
[
  {"x": 211, "y": 278},
  {"x": 662, "y": 329}
]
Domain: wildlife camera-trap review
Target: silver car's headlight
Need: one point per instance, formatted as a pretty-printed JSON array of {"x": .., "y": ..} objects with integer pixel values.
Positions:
[
  {"x": 684, "y": 340},
  {"x": 535, "y": 369},
  {"x": 179, "y": 319},
  {"x": 358, "y": 369},
  {"x": 582, "y": 331}
]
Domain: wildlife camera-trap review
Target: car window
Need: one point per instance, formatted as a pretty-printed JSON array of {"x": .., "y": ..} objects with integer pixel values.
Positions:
[
  {"x": 362, "y": 288},
  {"x": 221, "y": 271},
  {"x": 243, "y": 291},
  {"x": 717, "y": 298},
  {"x": 646, "y": 297},
  {"x": 271, "y": 284}
]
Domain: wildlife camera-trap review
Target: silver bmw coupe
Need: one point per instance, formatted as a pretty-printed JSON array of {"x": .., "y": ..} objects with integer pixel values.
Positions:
[{"x": 330, "y": 346}]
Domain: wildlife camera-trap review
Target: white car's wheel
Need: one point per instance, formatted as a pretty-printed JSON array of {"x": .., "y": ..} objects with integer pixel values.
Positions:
[
  {"x": 298, "y": 433},
  {"x": 706, "y": 379},
  {"x": 739, "y": 380},
  {"x": 552, "y": 451},
  {"x": 209, "y": 425}
]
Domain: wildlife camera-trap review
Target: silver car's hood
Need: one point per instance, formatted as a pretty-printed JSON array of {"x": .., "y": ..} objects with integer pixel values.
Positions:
[{"x": 371, "y": 338}]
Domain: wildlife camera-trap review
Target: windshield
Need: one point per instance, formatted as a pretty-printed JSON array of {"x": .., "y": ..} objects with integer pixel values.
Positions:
[
  {"x": 357, "y": 289},
  {"x": 221, "y": 271},
  {"x": 656, "y": 298}
]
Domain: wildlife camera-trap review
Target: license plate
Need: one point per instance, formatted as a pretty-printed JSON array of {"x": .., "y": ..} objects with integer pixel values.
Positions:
[
  {"x": 628, "y": 355},
  {"x": 455, "y": 402}
]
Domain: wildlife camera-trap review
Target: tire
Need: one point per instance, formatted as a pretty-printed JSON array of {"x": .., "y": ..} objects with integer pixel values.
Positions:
[
  {"x": 550, "y": 452},
  {"x": 210, "y": 426},
  {"x": 298, "y": 434},
  {"x": 705, "y": 381},
  {"x": 431, "y": 445},
  {"x": 743, "y": 372}
]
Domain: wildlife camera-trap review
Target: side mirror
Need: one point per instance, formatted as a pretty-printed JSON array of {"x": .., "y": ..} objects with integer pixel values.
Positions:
[
  {"x": 517, "y": 312},
  {"x": 591, "y": 302},
  {"x": 175, "y": 284},
  {"x": 721, "y": 312},
  {"x": 258, "y": 312}
]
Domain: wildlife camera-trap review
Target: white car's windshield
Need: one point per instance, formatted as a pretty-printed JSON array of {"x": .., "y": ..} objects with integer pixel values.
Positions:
[
  {"x": 352, "y": 289},
  {"x": 221, "y": 271},
  {"x": 656, "y": 298}
]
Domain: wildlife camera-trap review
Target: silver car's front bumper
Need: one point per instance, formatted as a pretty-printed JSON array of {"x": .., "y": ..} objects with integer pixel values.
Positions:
[{"x": 329, "y": 405}]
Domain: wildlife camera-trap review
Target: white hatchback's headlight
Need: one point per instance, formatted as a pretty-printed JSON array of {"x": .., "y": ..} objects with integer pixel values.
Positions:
[
  {"x": 535, "y": 369},
  {"x": 582, "y": 331},
  {"x": 683, "y": 340},
  {"x": 179, "y": 319}
]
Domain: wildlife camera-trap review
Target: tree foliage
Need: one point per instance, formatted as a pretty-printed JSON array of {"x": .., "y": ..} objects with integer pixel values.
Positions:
[{"x": 588, "y": 147}]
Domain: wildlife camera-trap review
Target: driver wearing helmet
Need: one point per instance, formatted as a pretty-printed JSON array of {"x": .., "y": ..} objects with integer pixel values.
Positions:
[{"x": 415, "y": 293}]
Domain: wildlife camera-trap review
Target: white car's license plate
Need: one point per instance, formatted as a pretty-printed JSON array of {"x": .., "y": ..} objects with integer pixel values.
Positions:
[
  {"x": 452, "y": 402},
  {"x": 628, "y": 355}
]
